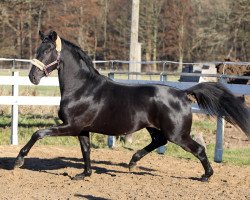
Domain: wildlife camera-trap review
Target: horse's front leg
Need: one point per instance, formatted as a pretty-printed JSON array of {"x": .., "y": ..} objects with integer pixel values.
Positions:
[
  {"x": 61, "y": 130},
  {"x": 85, "y": 147}
]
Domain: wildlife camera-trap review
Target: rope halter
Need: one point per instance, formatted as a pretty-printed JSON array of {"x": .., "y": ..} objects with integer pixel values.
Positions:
[{"x": 40, "y": 65}]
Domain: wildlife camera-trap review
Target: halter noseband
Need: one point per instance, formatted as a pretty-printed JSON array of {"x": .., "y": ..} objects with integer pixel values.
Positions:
[{"x": 44, "y": 67}]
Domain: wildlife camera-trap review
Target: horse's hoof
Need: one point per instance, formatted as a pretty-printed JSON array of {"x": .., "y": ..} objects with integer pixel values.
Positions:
[
  {"x": 79, "y": 177},
  {"x": 132, "y": 166},
  {"x": 18, "y": 162},
  {"x": 204, "y": 178}
]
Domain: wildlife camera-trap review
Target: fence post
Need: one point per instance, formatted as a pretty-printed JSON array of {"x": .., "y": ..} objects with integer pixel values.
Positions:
[
  {"x": 162, "y": 149},
  {"x": 111, "y": 75},
  {"x": 14, "y": 122},
  {"x": 111, "y": 139},
  {"x": 219, "y": 140},
  {"x": 218, "y": 152},
  {"x": 163, "y": 77}
]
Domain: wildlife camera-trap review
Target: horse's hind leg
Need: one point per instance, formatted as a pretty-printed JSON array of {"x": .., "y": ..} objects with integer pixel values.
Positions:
[
  {"x": 85, "y": 148},
  {"x": 188, "y": 144},
  {"x": 158, "y": 139}
]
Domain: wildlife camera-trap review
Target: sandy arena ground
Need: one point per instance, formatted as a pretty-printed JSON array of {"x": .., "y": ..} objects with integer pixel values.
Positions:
[{"x": 48, "y": 170}]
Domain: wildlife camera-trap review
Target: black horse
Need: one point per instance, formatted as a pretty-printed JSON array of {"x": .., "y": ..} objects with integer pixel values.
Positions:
[{"x": 91, "y": 102}]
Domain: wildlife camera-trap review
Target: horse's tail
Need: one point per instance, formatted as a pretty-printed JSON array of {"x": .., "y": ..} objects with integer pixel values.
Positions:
[{"x": 217, "y": 100}]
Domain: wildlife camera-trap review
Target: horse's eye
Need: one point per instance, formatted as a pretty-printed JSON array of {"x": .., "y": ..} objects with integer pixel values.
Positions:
[{"x": 47, "y": 51}]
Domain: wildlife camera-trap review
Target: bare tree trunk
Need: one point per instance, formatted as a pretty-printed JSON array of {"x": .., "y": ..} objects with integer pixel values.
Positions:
[
  {"x": 15, "y": 28},
  {"x": 39, "y": 22},
  {"x": 234, "y": 43},
  {"x": 2, "y": 27},
  {"x": 134, "y": 44},
  {"x": 95, "y": 41},
  {"x": 155, "y": 46},
  {"x": 30, "y": 31},
  {"x": 156, "y": 13},
  {"x": 181, "y": 43},
  {"x": 105, "y": 28},
  {"x": 95, "y": 46},
  {"x": 148, "y": 50},
  {"x": 80, "y": 33},
  {"x": 148, "y": 24},
  {"x": 20, "y": 37}
]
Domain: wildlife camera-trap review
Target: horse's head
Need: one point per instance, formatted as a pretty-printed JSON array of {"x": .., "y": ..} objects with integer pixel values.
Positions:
[{"x": 47, "y": 56}]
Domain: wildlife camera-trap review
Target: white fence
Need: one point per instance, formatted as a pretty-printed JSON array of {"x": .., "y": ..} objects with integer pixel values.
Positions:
[{"x": 15, "y": 100}]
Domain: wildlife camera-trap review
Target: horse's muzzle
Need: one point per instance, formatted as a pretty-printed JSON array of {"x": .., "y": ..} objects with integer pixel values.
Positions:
[{"x": 33, "y": 79}]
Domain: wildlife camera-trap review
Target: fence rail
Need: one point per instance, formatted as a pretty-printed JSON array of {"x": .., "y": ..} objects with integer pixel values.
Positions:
[{"x": 143, "y": 62}]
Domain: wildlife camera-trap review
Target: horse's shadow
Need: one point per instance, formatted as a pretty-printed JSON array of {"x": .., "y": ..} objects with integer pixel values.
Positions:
[
  {"x": 89, "y": 197},
  {"x": 48, "y": 165},
  {"x": 199, "y": 179}
]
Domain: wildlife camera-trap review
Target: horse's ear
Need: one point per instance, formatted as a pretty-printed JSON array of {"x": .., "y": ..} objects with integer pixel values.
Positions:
[
  {"x": 41, "y": 35},
  {"x": 53, "y": 36}
]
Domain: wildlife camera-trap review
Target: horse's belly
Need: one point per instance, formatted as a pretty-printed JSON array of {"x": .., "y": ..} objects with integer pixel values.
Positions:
[{"x": 119, "y": 124}]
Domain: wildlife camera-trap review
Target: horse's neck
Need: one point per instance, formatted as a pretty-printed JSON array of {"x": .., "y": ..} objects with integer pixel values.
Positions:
[{"x": 75, "y": 75}]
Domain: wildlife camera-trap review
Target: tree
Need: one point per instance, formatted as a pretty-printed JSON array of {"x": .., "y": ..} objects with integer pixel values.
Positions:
[
  {"x": 239, "y": 20},
  {"x": 149, "y": 28},
  {"x": 183, "y": 30}
]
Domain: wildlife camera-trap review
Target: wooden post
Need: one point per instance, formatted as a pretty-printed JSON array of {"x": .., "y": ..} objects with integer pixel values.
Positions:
[
  {"x": 14, "y": 122},
  {"x": 135, "y": 49},
  {"x": 135, "y": 46}
]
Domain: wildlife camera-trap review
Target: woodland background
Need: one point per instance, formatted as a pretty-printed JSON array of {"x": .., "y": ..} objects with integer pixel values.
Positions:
[{"x": 188, "y": 30}]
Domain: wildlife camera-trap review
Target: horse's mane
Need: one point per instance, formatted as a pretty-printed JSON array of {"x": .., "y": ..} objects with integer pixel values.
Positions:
[{"x": 83, "y": 55}]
